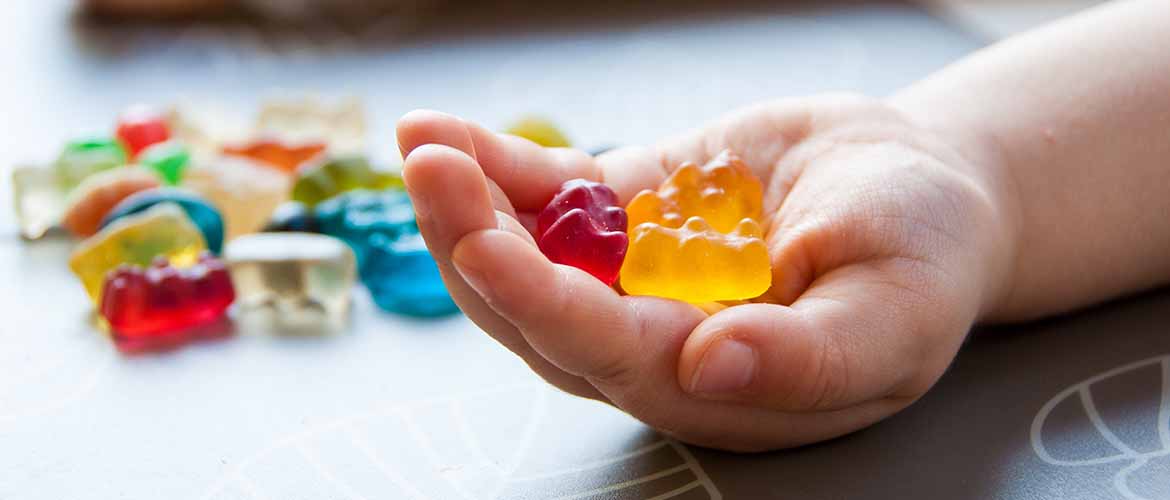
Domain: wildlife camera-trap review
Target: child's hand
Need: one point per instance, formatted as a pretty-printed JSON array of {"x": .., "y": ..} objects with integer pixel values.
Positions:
[{"x": 885, "y": 248}]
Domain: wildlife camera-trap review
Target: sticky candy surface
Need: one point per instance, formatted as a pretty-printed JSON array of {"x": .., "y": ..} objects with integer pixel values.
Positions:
[
  {"x": 583, "y": 226},
  {"x": 245, "y": 193},
  {"x": 292, "y": 279},
  {"x": 38, "y": 198},
  {"x": 167, "y": 159},
  {"x": 318, "y": 183},
  {"x": 140, "y": 127},
  {"x": 722, "y": 192},
  {"x": 159, "y": 299},
  {"x": 97, "y": 195},
  {"x": 137, "y": 239},
  {"x": 393, "y": 261},
  {"x": 276, "y": 154},
  {"x": 540, "y": 131},
  {"x": 200, "y": 211},
  {"x": 83, "y": 158},
  {"x": 355, "y": 215},
  {"x": 402, "y": 277},
  {"x": 696, "y": 263}
]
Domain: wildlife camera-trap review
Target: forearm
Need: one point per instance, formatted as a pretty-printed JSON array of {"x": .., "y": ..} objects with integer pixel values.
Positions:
[{"x": 1072, "y": 124}]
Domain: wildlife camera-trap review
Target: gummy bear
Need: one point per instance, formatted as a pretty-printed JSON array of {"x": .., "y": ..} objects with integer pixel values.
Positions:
[
  {"x": 98, "y": 194},
  {"x": 402, "y": 277},
  {"x": 83, "y": 158},
  {"x": 245, "y": 193},
  {"x": 354, "y": 215},
  {"x": 202, "y": 213},
  {"x": 340, "y": 125},
  {"x": 139, "y": 302},
  {"x": 271, "y": 152},
  {"x": 295, "y": 279},
  {"x": 163, "y": 229},
  {"x": 38, "y": 199},
  {"x": 320, "y": 182},
  {"x": 696, "y": 263},
  {"x": 168, "y": 159},
  {"x": 722, "y": 192},
  {"x": 292, "y": 216},
  {"x": 539, "y": 130},
  {"x": 141, "y": 126},
  {"x": 393, "y": 261},
  {"x": 584, "y": 227}
]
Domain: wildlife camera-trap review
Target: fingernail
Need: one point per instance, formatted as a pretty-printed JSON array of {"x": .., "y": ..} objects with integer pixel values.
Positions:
[
  {"x": 727, "y": 366},
  {"x": 473, "y": 277}
]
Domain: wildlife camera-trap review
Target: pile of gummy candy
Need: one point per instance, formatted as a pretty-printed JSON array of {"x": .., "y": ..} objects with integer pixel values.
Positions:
[
  {"x": 177, "y": 223},
  {"x": 696, "y": 239}
]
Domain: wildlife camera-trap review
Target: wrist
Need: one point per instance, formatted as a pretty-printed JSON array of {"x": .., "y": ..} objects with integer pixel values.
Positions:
[{"x": 978, "y": 153}]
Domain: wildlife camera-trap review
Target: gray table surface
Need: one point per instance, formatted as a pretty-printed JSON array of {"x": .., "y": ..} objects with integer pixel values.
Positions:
[{"x": 1077, "y": 407}]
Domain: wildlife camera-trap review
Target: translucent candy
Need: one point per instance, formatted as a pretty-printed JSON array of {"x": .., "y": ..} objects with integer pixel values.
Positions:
[
  {"x": 143, "y": 303},
  {"x": 286, "y": 157},
  {"x": 245, "y": 193},
  {"x": 539, "y": 130},
  {"x": 320, "y": 182},
  {"x": 83, "y": 158},
  {"x": 137, "y": 239},
  {"x": 355, "y": 215},
  {"x": 402, "y": 277},
  {"x": 292, "y": 279},
  {"x": 167, "y": 159},
  {"x": 97, "y": 195},
  {"x": 340, "y": 125},
  {"x": 140, "y": 127},
  {"x": 695, "y": 263},
  {"x": 38, "y": 200},
  {"x": 722, "y": 192},
  {"x": 200, "y": 211},
  {"x": 584, "y": 227}
]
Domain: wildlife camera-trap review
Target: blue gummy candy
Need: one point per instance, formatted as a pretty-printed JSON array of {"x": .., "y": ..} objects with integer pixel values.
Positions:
[
  {"x": 402, "y": 277},
  {"x": 354, "y": 216},
  {"x": 201, "y": 212}
]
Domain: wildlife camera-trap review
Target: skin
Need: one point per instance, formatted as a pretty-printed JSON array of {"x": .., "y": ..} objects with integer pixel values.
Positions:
[
  {"x": 894, "y": 225},
  {"x": 1027, "y": 180}
]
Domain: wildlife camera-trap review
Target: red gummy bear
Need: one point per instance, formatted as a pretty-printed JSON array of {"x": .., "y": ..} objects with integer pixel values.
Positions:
[
  {"x": 140, "y": 127},
  {"x": 142, "y": 303},
  {"x": 584, "y": 227}
]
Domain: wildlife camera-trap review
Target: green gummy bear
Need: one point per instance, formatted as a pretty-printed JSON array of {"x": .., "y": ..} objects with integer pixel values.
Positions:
[{"x": 168, "y": 160}]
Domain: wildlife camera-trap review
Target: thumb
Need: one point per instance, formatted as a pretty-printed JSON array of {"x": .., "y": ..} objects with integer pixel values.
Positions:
[{"x": 862, "y": 332}]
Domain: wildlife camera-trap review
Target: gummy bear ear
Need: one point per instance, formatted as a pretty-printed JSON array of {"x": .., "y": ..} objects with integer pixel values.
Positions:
[
  {"x": 687, "y": 174},
  {"x": 697, "y": 224},
  {"x": 748, "y": 228}
]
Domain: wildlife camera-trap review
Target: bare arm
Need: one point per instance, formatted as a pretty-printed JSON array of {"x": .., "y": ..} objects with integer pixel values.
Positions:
[{"x": 1074, "y": 122}]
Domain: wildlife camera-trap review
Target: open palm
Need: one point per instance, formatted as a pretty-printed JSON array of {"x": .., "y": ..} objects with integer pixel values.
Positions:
[{"x": 882, "y": 241}]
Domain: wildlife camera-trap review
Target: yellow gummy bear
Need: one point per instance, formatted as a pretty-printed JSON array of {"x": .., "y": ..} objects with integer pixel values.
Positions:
[
  {"x": 136, "y": 239},
  {"x": 722, "y": 192},
  {"x": 696, "y": 263},
  {"x": 539, "y": 130}
]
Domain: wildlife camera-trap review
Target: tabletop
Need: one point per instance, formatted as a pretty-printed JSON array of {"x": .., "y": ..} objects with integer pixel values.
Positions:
[{"x": 394, "y": 407}]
